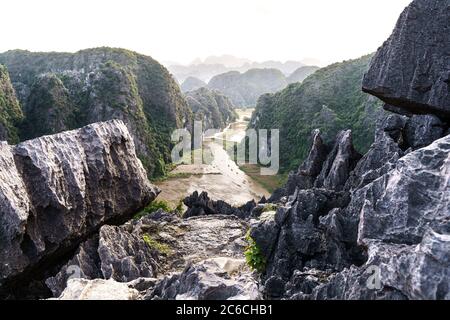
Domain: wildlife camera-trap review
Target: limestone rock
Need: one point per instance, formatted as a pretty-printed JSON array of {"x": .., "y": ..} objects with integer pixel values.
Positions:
[
  {"x": 411, "y": 71},
  {"x": 421, "y": 130},
  {"x": 85, "y": 264},
  {"x": 56, "y": 190},
  {"x": 125, "y": 256},
  {"x": 401, "y": 204},
  {"x": 212, "y": 279},
  {"x": 339, "y": 163},
  {"x": 201, "y": 204},
  {"x": 98, "y": 289}
]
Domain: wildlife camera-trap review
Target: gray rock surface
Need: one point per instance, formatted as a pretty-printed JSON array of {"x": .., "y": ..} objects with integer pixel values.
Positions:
[
  {"x": 327, "y": 166},
  {"x": 213, "y": 279},
  {"x": 85, "y": 264},
  {"x": 57, "y": 190},
  {"x": 156, "y": 245},
  {"x": 98, "y": 289},
  {"x": 125, "y": 256},
  {"x": 411, "y": 71},
  {"x": 421, "y": 130},
  {"x": 399, "y": 206},
  {"x": 393, "y": 211},
  {"x": 339, "y": 163},
  {"x": 391, "y": 241}
]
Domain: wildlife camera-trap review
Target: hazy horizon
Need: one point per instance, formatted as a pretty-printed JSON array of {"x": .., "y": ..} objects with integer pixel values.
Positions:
[{"x": 176, "y": 31}]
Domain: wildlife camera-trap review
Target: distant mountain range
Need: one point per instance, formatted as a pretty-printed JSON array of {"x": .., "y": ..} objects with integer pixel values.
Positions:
[
  {"x": 215, "y": 65},
  {"x": 244, "y": 89}
]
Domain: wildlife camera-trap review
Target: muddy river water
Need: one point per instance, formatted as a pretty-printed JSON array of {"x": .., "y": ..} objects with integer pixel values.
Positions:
[{"x": 218, "y": 174}]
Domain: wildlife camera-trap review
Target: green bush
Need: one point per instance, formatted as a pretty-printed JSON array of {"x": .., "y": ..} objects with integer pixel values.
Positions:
[
  {"x": 254, "y": 256},
  {"x": 156, "y": 245},
  {"x": 153, "y": 207},
  {"x": 180, "y": 208}
]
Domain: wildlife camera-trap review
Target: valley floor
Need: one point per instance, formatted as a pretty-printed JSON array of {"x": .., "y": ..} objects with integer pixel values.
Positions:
[{"x": 219, "y": 176}]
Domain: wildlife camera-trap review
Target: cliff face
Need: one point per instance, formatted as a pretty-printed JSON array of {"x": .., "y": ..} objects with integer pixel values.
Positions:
[
  {"x": 329, "y": 100},
  {"x": 63, "y": 91},
  {"x": 244, "y": 89},
  {"x": 211, "y": 107},
  {"x": 411, "y": 71},
  {"x": 375, "y": 227},
  {"x": 10, "y": 111},
  {"x": 57, "y": 190}
]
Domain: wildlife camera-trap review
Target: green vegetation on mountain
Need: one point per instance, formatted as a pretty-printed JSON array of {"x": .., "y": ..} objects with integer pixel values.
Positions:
[
  {"x": 211, "y": 107},
  {"x": 245, "y": 88},
  {"x": 330, "y": 99},
  {"x": 60, "y": 91},
  {"x": 10, "y": 111},
  {"x": 301, "y": 74},
  {"x": 191, "y": 84}
]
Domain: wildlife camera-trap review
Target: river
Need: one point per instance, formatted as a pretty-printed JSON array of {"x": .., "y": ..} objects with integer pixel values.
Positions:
[{"x": 220, "y": 176}]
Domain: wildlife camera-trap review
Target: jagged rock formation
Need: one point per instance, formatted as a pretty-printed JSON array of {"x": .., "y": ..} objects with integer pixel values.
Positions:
[
  {"x": 57, "y": 190},
  {"x": 201, "y": 205},
  {"x": 212, "y": 279},
  {"x": 192, "y": 84},
  {"x": 211, "y": 107},
  {"x": 244, "y": 89},
  {"x": 163, "y": 257},
  {"x": 116, "y": 253},
  {"x": 301, "y": 74},
  {"x": 411, "y": 70},
  {"x": 330, "y": 100},
  {"x": 10, "y": 111},
  {"x": 398, "y": 204},
  {"x": 63, "y": 91},
  {"x": 376, "y": 227},
  {"x": 326, "y": 166}
]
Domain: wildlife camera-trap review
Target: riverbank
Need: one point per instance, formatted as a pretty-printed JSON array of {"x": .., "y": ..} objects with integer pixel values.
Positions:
[{"x": 219, "y": 175}]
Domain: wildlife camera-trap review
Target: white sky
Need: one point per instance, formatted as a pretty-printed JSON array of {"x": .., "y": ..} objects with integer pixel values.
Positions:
[{"x": 181, "y": 30}]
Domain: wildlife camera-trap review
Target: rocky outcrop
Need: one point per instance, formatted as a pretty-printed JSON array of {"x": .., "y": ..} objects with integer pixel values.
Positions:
[
  {"x": 202, "y": 255},
  {"x": 116, "y": 253},
  {"x": 402, "y": 204},
  {"x": 57, "y": 190},
  {"x": 212, "y": 108},
  {"x": 212, "y": 279},
  {"x": 411, "y": 71},
  {"x": 201, "y": 204},
  {"x": 327, "y": 166},
  {"x": 324, "y": 244},
  {"x": 98, "y": 289}
]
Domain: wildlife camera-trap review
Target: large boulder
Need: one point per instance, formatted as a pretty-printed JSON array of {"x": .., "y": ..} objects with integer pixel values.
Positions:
[
  {"x": 57, "y": 190},
  {"x": 98, "y": 289},
  {"x": 411, "y": 71}
]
